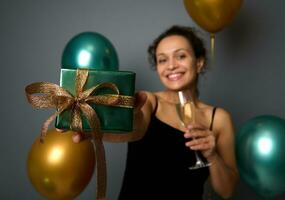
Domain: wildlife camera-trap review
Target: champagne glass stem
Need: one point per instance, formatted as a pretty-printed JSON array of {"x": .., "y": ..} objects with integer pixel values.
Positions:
[{"x": 197, "y": 157}]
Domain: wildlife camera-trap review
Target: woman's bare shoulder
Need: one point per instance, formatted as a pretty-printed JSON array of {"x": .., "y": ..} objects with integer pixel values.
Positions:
[
  {"x": 220, "y": 112},
  {"x": 151, "y": 98},
  {"x": 222, "y": 117},
  {"x": 223, "y": 120},
  {"x": 223, "y": 114}
]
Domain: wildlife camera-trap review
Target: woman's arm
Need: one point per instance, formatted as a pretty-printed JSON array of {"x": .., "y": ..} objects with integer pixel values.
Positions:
[
  {"x": 218, "y": 147},
  {"x": 144, "y": 106},
  {"x": 223, "y": 172}
]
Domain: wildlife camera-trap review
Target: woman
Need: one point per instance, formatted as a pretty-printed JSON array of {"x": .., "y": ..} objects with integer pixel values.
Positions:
[
  {"x": 157, "y": 164},
  {"x": 158, "y": 161}
]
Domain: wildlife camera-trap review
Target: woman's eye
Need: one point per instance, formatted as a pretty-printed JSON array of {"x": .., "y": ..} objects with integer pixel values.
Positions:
[
  {"x": 181, "y": 57},
  {"x": 160, "y": 61}
]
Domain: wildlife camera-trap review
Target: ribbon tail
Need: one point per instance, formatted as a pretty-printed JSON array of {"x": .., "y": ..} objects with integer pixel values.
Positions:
[
  {"x": 99, "y": 150},
  {"x": 101, "y": 174},
  {"x": 76, "y": 122},
  {"x": 46, "y": 125}
]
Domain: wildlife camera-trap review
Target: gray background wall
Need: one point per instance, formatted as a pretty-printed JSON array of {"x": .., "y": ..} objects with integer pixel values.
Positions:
[{"x": 247, "y": 78}]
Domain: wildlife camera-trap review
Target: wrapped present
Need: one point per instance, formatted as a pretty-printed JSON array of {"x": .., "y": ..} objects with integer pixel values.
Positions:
[
  {"x": 96, "y": 53},
  {"x": 114, "y": 119}
]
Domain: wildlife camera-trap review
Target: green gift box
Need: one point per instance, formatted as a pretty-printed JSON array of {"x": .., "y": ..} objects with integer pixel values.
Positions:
[
  {"x": 93, "y": 51},
  {"x": 112, "y": 119}
]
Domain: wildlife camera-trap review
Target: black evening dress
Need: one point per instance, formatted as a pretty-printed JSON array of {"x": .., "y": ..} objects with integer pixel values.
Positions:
[{"x": 157, "y": 166}]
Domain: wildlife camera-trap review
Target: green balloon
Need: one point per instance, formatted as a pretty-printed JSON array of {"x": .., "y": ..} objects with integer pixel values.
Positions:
[
  {"x": 260, "y": 154},
  {"x": 90, "y": 50}
]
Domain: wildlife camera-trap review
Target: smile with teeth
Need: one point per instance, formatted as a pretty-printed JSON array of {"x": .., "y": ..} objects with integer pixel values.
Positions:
[{"x": 174, "y": 76}]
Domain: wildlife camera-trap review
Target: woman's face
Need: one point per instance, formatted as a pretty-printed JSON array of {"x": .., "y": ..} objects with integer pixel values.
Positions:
[{"x": 177, "y": 65}]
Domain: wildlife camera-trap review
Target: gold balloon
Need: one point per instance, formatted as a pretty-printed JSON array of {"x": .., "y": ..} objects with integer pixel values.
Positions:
[
  {"x": 60, "y": 169},
  {"x": 212, "y": 15}
]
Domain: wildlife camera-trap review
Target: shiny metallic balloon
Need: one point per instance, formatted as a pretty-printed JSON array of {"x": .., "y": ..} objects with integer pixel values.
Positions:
[
  {"x": 212, "y": 15},
  {"x": 60, "y": 169},
  {"x": 90, "y": 50},
  {"x": 260, "y": 154}
]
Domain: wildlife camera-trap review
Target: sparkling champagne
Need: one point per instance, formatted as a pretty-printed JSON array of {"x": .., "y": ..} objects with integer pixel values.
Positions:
[{"x": 186, "y": 113}]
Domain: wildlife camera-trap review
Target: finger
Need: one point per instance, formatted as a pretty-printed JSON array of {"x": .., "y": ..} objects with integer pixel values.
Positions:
[
  {"x": 197, "y": 141},
  {"x": 202, "y": 143},
  {"x": 195, "y": 126},
  {"x": 196, "y": 134},
  {"x": 80, "y": 136},
  {"x": 201, "y": 147},
  {"x": 60, "y": 130},
  {"x": 77, "y": 137}
]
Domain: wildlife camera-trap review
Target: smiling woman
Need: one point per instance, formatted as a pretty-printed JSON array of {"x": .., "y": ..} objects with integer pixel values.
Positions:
[
  {"x": 157, "y": 164},
  {"x": 174, "y": 56}
]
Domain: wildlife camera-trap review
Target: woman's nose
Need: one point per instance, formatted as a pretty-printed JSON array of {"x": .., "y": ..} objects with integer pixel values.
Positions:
[{"x": 172, "y": 64}]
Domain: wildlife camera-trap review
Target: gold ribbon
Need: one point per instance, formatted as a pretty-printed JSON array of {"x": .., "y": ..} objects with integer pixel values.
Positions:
[{"x": 54, "y": 96}]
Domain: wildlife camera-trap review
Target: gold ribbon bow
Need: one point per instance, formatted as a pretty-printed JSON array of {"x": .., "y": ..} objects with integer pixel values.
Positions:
[{"x": 57, "y": 97}]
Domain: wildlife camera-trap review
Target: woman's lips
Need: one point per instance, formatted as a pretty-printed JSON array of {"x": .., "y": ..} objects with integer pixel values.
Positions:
[{"x": 174, "y": 76}]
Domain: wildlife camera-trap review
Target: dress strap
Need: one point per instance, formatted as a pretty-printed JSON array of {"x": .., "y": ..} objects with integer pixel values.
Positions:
[
  {"x": 156, "y": 105},
  {"x": 212, "y": 120}
]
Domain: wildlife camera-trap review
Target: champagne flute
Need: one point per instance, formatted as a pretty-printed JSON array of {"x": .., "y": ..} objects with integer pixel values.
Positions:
[{"x": 186, "y": 112}]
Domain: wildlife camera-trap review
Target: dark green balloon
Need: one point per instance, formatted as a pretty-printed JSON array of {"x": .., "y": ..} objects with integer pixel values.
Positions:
[
  {"x": 260, "y": 154},
  {"x": 90, "y": 50}
]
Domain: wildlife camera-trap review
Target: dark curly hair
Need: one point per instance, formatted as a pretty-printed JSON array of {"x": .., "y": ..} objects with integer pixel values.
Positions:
[{"x": 187, "y": 32}]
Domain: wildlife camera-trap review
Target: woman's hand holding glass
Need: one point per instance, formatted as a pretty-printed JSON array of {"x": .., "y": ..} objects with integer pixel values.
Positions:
[
  {"x": 187, "y": 114},
  {"x": 203, "y": 140}
]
